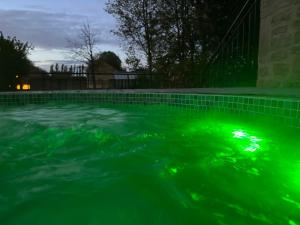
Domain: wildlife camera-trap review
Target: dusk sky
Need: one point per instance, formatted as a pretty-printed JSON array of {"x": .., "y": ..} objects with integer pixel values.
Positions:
[{"x": 48, "y": 24}]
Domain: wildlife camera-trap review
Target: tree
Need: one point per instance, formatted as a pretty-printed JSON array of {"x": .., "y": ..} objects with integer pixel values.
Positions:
[
  {"x": 84, "y": 48},
  {"x": 13, "y": 61},
  {"x": 137, "y": 25},
  {"x": 110, "y": 58},
  {"x": 175, "y": 36},
  {"x": 51, "y": 68},
  {"x": 36, "y": 70},
  {"x": 82, "y": 69},
  {"x": 56, "y": 68},
  {"x": 167, "y": 32},
  {"x": 133, "y": 62}
]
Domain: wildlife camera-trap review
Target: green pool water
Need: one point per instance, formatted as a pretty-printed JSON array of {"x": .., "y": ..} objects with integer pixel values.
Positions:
[{"x": 145, "y": 165}]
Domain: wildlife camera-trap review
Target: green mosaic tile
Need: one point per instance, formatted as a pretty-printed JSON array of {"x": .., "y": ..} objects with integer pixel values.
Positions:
[{"x": 285, "y": 109}]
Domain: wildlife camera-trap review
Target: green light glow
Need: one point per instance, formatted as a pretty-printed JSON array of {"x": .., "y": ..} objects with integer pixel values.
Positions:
[
  {"x": 253, "y": 171},
  {"x": 252, "y": 148},
  {"x": 297, "y": 175},
  {"x": 291, "y": 222},
  {"x": 196, "y": 197},
  {"x": 250, "y": 143},
  {"x": 101, "y": 137},
  {"x": 255, "y": 139},
  {"x": 237, "y": 209},
  {"x": 294, "y": 177},
  {"x": 289, "y": 200},
  {"x": 238, "y": 134},
  {"x": 169, "y": 171},
  {"x": 173, "y": 171},
  {"x": 192, "y": 168},
  {"x": 145, "y": 136}
]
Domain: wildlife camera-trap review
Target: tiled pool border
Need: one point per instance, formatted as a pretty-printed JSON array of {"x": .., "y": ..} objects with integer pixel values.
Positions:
[{"x": 283, "y": 110}]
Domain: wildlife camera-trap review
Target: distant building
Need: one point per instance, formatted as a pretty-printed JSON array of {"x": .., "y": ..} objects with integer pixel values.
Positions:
[
  {"x": 125, "y": 79},
  {"x": 107, "y": 77},
  {"x": 103, "y": 75}
]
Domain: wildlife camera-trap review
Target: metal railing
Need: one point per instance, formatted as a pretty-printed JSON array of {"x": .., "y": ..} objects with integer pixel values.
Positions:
[
  {"x": 85, "y": 81},
  {"x": 234, "y": 63}
]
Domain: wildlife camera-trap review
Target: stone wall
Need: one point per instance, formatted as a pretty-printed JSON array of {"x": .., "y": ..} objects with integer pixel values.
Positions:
[{"x": 279, "y": 51}]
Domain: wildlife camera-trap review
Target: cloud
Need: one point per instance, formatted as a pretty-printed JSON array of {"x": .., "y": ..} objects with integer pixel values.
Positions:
[
  {"x": 51, "y": 30},
  {"x": 48, "y": 29},
  {"x": 50, "y": 62}
]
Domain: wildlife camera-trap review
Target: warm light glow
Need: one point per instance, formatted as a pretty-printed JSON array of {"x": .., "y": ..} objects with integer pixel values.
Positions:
[
  {"x": 26, "y": 87},
  {"x": 18, "y": 87}
]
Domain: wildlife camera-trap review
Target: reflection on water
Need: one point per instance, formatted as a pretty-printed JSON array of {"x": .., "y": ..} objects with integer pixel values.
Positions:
[{"x": 84, "y": 164}]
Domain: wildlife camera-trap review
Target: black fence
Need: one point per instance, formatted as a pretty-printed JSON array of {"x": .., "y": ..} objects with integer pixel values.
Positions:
[
  {"x": 85, "y": 81},
  {"x": 235, "y": 62}
]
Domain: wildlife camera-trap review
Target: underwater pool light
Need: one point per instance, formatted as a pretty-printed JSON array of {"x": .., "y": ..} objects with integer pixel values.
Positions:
[
  {"x": 239, "y": 134},
  {"x": 252, "y": 141}
]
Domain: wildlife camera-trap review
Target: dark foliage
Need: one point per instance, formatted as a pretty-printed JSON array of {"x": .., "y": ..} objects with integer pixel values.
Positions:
[
  {"x": 111, "y": 59},
  {"x": 173, "y": 37},
  {"x": 13, "y": 61}
]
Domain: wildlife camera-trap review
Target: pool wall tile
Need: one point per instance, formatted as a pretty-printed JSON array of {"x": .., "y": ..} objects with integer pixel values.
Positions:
[{"x": 282, "y": 110}]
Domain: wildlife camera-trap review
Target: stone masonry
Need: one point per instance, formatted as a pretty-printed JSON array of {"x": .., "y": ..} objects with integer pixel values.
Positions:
[{"x": 279, "y": 50}]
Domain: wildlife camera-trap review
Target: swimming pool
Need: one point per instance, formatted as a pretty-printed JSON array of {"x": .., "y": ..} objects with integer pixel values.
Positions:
[{"x": 77, "y": 162}]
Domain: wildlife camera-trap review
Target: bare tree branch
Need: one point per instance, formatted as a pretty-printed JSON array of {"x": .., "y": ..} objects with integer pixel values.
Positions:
[{"x": 84, "y": 48}]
